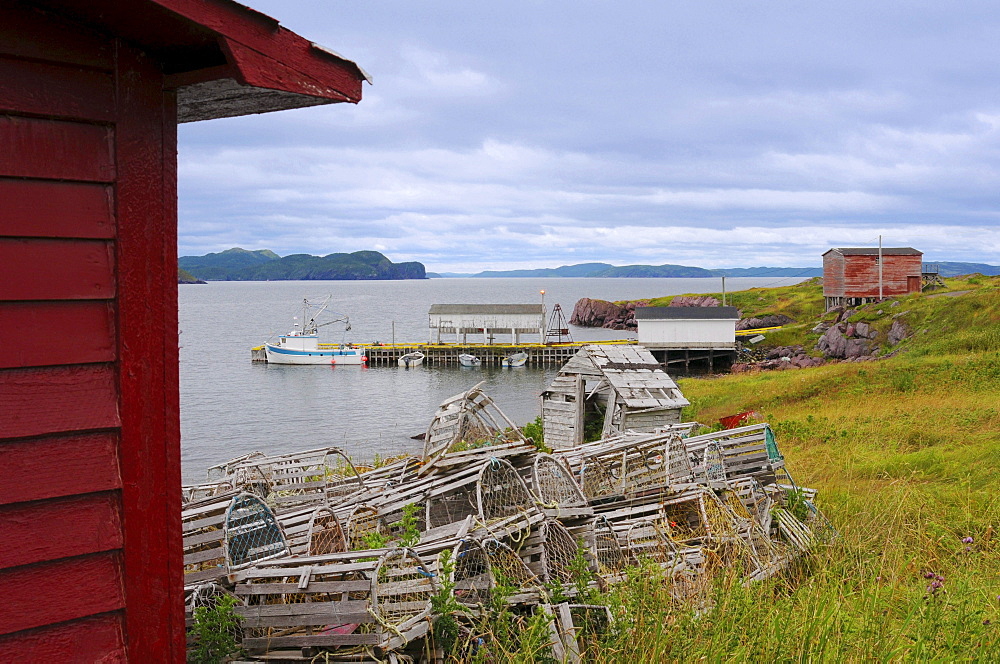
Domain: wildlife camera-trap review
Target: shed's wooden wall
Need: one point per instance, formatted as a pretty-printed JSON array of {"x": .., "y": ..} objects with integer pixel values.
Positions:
[
  {"x": 89, "y": 434},
  {"x": 857, "y": 275},
  {"x": 833, "y": 274}
]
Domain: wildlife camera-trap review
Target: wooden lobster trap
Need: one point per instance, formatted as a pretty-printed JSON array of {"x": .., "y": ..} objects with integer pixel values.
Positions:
[
  {"x": 315, "y": 477},
  {"x": 632, "y": 464},
  {"x": 555, "y": 554},
  {"x": 750, "y": 451},
  {"x": 468, "y": 421},
  {"x": 556, "y": 490},
  {"x": 228, "y": 533},
  {"x": 338, "y": 603}
]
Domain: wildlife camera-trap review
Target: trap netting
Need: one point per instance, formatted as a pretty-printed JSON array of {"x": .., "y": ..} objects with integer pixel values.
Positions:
[
  {"x": 252, "y": 532},
  {"x": 509, "y": 570},
  {"x": 553, "y": 483},
  {"x": 559, "y": 549},
  {"x": 504, "y": 501},
  {"x": 210, "y": 596},
  {"x": 453, "y": 505},
  {"x": 678, "y": 462},
  {"x": 472, "y": 574},
  {"x": 402, "y": 588},
  {"x": 365, "y": 528},
  {"x": 646, "y": 540},
  {"x": 712, "y": 463},
  {"x": 608, "y": 552},
  {"x": 325, "y": 533},
  {"x": 629, "y": 464},
  {"x": 469, "y": 420}
]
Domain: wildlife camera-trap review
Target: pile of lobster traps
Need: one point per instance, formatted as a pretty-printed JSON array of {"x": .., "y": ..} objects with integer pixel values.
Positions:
[{"x": 325, "y": 561}]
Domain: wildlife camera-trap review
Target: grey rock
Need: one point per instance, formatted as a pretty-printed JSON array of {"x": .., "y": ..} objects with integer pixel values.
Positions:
[
  {"x": 898, "y": 332},
  {"x": 771, "y": 320}
]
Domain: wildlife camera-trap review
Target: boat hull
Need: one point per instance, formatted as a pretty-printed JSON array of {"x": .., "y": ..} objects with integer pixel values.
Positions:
[
  {"x": 411, "y": 360},
  {"x": 469, "y": 361},
  {"x": 515, "y": 360},
  {"x": 337, "y": 357}
]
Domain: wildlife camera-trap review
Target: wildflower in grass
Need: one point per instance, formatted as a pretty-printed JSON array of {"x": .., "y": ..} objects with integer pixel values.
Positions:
[{"x": 967, "y": 540}]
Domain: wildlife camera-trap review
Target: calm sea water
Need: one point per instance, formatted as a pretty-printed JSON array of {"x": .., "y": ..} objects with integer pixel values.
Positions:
[{"x": 230, "y": 406}]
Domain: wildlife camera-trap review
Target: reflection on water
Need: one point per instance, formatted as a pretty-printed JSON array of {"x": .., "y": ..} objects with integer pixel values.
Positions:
[{"x": 230, "y": 406}]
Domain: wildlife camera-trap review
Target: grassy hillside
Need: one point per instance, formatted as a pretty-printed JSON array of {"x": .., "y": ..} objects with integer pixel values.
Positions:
[{"x": 905, "y": 454}]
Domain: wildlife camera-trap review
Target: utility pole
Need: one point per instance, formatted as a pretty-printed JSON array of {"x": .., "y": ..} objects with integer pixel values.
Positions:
[
  {"x": 542, "y": 328},
  {"x": 880, "y": 267},
  {"x": 723, "y": 290}
]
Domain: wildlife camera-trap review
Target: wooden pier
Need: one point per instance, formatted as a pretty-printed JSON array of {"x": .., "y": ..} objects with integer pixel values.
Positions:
[
  {"x": 539, "y": 355},
  {"x": 681, "y": 361}
]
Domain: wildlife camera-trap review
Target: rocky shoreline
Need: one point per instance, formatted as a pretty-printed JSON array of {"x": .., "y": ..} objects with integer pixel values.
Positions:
[{"x": 840, "y": 340}]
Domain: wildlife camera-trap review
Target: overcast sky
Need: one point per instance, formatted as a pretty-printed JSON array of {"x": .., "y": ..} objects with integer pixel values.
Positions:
[{"x": 538, "y": 134}]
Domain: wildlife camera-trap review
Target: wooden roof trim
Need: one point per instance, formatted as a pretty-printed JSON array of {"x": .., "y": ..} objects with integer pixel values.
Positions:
[{"x": 223, "y": 58}]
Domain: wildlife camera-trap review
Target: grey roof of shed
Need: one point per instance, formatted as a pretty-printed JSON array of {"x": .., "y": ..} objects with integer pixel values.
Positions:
[
  {"x": 631, "y": 371},
  {"x": 686, "y": 313},
  {"x": 873, "y": 251},
  {"x": 487, "y": 309}
]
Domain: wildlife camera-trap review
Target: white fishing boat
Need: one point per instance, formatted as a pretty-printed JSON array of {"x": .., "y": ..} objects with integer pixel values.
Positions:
[
  {"x": 301, "y": 345},
  {"x": 467, "y": 360},
  {"x": 515, "y": 360},
  {"x": 414, "y": 359}
]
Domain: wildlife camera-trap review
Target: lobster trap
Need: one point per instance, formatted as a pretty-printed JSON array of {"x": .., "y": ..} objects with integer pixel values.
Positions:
[
  {"x": 466, "y": 421},
  {"x": 311, "y": 478},
  {"x": 341, "y": 602},
  {"x": 228, "y": 533}
]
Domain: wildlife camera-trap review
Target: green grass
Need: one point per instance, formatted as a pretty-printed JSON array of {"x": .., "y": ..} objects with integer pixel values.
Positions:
[{"x": 905, "y": 453}]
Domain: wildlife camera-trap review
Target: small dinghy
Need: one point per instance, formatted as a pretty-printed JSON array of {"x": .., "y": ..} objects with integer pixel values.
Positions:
[
  {"x": 467, "y": 360},
  {"x": 414, "y": 359},
  {"x": 515, "y": 360}
]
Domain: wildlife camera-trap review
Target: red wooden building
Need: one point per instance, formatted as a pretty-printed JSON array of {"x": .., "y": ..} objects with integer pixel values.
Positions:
[
  {"x": 853, "y": 276},
  {"x": 91, "y": 92}
]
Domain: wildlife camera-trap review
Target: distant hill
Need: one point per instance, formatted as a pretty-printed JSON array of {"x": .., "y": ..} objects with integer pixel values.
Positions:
[
  {"x": 948, "y": 269},
  {"x": 641, "y": 271},
  {"x": 264, "y": 265},
  {"x": 219, "y": 267}
]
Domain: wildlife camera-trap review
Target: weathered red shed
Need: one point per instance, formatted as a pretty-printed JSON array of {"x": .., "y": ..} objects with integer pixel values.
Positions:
[
  {"x": 853, "y": 275},
  {"x": 91, "y": 92}
]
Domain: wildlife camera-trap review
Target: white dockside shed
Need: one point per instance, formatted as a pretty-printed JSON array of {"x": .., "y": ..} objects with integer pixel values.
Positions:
[
  {"x": 458, "y": 321},
  {"x": 687, "y": 327}
]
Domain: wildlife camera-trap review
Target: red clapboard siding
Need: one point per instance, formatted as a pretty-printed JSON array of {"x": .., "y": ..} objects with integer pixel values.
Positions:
[
  {"x": 55, "y": 150},
  {"x": 41, "y": 401},
  {"x": 56, "y": 270},
  {"x": 61, "y": 590},
  {"x": 36, "y": 208},
  {"x": 33, "y": 34},
  {"x": 44, "y": 89},
  {"x": 57, "y": 466},
  {"x": 58, "y": 333},
  {"x": 95, "y": 639},
  {"x": 51, "y": 529}
]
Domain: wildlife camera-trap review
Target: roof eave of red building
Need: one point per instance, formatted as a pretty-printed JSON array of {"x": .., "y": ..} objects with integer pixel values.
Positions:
[{"x": 223, "y": 58}]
